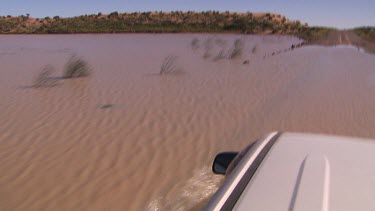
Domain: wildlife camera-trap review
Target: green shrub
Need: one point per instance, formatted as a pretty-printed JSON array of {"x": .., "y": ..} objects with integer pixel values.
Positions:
[{"x": 367, "y": 33}]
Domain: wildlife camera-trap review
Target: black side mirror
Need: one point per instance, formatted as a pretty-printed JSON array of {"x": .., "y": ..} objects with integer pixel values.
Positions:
[{"x": 222, "y": 161}]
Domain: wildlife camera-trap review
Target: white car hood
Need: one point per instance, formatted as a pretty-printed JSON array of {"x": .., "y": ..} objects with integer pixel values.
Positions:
[{"x": 313, "y": 172}]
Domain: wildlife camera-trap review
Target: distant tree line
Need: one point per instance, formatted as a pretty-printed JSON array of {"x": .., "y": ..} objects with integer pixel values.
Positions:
[
  {"x": 367, "y": 33},
  {"x": 158, "y": 22}
]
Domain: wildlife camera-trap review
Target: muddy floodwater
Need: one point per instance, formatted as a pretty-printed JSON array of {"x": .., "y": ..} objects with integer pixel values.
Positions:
[{"x": 128, "y": 138}]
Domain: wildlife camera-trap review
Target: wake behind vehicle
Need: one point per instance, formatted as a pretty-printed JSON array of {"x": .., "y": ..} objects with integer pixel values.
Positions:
[{"x": 291, "y": 171}]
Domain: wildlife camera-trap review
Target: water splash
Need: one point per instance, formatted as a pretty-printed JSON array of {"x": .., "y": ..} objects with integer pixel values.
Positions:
[{"x": 195, "y": 191}]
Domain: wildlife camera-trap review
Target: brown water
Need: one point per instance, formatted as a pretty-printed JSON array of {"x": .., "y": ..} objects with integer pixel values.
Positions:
[{"x": 152, "y": 150}]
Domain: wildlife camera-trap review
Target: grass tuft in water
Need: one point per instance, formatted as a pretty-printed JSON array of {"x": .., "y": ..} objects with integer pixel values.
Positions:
[
  {"x": 194, "y": 44},
  {"x": 169, "y": 65},
  {"x": 76, "y": 67},
  {"x": 237, "y": 49},
  {"x": 208, "y": 45},
  {"x": 43, "y": 79},
  {"x": 220, "y": 55},
  {"x": 255, "y": 49}
]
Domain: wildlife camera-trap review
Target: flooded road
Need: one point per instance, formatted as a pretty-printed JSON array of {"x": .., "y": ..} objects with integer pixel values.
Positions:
[
  {"x": 347, "y": 38},
  {"x": 64, "y": 148}
]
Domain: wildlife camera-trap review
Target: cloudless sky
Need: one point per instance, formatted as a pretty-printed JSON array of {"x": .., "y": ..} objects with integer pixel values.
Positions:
[{"x": 336, "y": 13}]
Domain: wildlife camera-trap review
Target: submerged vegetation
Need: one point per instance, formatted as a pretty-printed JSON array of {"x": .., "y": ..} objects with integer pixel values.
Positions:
[
  {"x": 220, "y": 55},
  {"x": 215, "y": 48},
  {"x": 208, "y": 46},
  {"x": 43, "y": 79},
  {"x": 237, "y": 49},
  {"x": 254, "y": 49},
  {"x": 194, "y": 44},
  {"x": 169, "y": 65},
  {"x": 76, "y": 67}
]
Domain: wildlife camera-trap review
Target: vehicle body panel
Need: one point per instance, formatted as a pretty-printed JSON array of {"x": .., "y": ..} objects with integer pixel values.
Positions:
[{"x": 312, "y": 172}]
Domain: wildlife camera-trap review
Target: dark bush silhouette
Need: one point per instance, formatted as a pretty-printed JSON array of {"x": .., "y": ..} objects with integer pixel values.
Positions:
[{"x": 76, "y": 67}]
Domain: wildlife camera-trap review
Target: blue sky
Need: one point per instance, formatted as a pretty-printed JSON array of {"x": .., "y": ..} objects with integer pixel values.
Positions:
[{"x": 337, "y": 13}]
